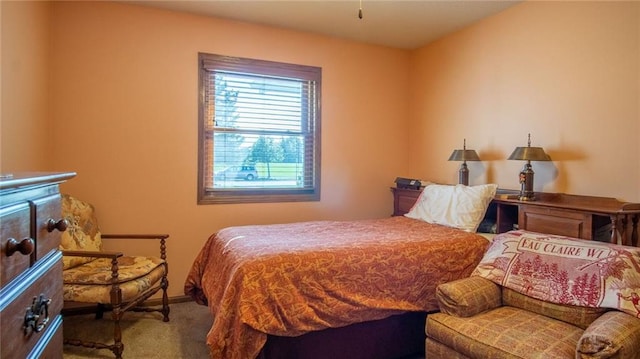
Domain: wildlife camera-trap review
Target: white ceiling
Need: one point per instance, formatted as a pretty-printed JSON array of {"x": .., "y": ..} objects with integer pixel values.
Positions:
[{"x": 406, "y": 24}]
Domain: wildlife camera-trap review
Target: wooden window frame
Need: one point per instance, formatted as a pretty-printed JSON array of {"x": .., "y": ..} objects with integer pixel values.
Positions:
[{"x": 207, "y": 193}]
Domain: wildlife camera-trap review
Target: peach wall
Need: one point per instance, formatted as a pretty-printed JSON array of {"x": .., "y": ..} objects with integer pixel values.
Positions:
[
  {"x": 124, "y": 101},
  {"x": 566, "y": 72},
  {"x": 25, "y": 126},
  {"x": 118, "y": 96}
]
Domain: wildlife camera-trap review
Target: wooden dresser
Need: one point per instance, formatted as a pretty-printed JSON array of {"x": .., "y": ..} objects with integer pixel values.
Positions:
[
  {"x": 587, "y": 217},
  {"x": 31, "y": 265}
]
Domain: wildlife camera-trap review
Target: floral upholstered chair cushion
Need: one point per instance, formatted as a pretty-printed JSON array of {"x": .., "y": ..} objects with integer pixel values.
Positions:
[
  {"x": 91, "y": 282},
  {"x": 82, "y": 231}
]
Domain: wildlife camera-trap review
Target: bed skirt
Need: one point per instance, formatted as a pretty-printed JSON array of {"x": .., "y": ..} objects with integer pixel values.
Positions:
[{"x": 398, "y": 336}]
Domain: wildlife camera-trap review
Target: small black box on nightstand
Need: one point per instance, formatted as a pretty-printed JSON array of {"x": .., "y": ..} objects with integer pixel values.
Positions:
[{"x": 407, "y": 183}]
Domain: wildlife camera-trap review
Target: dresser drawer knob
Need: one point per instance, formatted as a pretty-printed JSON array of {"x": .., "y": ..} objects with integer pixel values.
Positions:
[
  {"x": 25, "y": 246},
  {"x": 60, "y": 225},
  {"x": 37, "y": 316}
]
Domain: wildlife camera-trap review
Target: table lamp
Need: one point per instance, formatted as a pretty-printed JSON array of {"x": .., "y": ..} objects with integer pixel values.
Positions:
[
  {"x": 464, "y": 155},
  {"x": 526, "y": 175}
]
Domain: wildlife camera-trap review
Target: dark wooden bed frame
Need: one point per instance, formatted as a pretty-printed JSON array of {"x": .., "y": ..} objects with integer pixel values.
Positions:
[{"x": 402, "y": 336}]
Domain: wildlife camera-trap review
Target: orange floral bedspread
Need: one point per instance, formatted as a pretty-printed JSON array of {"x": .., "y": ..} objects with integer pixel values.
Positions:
[{"x": 289, "y": 279}]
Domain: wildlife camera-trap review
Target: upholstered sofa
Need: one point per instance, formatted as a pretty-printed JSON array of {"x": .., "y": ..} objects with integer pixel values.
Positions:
[{"x": 541, "y": 296}]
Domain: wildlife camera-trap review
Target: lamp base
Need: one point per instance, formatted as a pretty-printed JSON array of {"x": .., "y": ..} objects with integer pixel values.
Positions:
[
  {"x": 463, "y": 174},
  {"x": 526, "y": 183},
  {"x": 526, "y": 197}
]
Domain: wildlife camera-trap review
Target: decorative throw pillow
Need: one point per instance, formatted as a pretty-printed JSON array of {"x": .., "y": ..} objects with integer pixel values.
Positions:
[
  {"x": 456, "y": 206},
  {"x": 82, "y": 232}
]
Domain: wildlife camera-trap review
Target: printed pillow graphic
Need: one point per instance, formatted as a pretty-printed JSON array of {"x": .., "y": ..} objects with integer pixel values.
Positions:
[{"x": 565, "y": 270}]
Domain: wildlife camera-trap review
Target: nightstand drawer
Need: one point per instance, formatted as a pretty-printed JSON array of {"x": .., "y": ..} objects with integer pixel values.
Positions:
[
  {"x": 404, "y": 199},
  {"x": 555, "y": 221}
]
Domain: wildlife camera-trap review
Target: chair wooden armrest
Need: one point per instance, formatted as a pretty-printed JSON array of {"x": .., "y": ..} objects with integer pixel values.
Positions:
[
  {"x": 94, "y": 254},
  {"x": 161, "y": 237},
  {"x": 135, "y": 236}
]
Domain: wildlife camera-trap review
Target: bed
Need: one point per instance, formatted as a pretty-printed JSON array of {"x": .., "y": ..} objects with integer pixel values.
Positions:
[{"x": 339, "y": 289}]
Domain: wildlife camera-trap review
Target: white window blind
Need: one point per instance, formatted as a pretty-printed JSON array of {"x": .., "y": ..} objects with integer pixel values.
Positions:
[{"x": 260, "y": 131}]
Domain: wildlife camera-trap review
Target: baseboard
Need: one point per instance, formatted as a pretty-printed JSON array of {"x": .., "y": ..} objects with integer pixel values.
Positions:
[
  {"x": 158, "y": 301},
  {"x": 77, "y": 308}
]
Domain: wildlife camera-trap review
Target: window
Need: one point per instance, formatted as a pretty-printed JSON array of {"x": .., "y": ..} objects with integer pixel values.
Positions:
[{"x": 259, "y": 124}]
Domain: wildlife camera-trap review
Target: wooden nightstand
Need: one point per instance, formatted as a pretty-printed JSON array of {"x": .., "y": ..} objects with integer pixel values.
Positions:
[
  {"x": 404, "y": 199},
  {"x": 586, "y": 217}
]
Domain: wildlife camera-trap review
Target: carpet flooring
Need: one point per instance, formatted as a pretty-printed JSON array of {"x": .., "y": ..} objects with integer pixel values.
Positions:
[{"x": 144, "y": 335}]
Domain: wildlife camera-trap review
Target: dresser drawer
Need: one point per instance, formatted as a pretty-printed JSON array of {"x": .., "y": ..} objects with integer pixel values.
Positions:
[
  {"x": 50, "y": 346},
  {"x": 48, "y": 239},
  {"x": 15, "y": 228},
  {"x": 555, "y": 221},
  {"x": 42, "y": 280}
]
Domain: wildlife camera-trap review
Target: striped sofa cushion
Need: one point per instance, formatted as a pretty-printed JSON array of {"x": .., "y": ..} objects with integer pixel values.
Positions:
[
  {"x": 505, "y": 332},
  {"x": 581, "y": 317}
]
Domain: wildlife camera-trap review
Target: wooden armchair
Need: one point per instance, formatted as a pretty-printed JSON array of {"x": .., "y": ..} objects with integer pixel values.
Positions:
[{"x": 109, "y": 279}]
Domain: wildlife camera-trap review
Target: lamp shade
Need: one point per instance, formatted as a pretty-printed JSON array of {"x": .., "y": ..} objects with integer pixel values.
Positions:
[
  {"x": 464, "y": 155},
  {"x": 529, "y": 154}
]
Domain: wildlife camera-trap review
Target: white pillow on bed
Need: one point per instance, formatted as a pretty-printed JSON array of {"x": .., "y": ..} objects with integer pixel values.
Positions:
[{"x": 456, "y": 206}]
